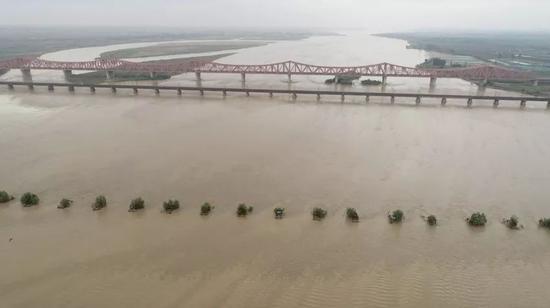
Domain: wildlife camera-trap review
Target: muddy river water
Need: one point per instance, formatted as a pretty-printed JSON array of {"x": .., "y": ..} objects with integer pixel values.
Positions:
[{"x": 269, "y": 152}]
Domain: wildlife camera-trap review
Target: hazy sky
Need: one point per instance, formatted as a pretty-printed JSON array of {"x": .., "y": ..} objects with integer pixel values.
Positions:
[{"x": 376, "y": 15}]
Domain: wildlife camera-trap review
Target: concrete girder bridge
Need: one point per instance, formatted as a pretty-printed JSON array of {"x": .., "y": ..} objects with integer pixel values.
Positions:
[{"x": 482, "y": 73}]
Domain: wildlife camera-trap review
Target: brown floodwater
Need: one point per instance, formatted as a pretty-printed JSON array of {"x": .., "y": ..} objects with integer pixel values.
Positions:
[{"x": 448, "y": 161}]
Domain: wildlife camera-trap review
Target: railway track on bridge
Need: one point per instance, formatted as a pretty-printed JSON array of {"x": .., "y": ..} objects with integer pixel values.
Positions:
[{"x": 294, "y": 92}]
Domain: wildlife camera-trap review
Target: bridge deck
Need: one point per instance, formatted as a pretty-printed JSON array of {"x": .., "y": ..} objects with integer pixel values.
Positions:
[{"x": 278, "y": 91}]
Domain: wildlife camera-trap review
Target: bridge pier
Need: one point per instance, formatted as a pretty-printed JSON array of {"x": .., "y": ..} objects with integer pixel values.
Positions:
[
  {"x": 71, "y": 89},
  {"x": 318, "y": 97},
  {"x": 392, "y": 99},
  {"x": 496, "y": 103},
  {"x": 10, "y": 86},
  {"x": 113, "y": 90},
  {"x": 271, "y": 94},
  {"x": 289, "y": 78},
  {"x": 180, "y": 92},
  {"x": 201, "y": 92},
  {"x": 224, "y": 93},
  {"x": 110, "y": 75},
  {"x": 418, "y": 100},
  {"x": 243, "y": 77},
  {"x": 198, "y": 76},
  {"x": 523, "y": 103},
  {"x": 535, "y": 83},
  {"x": 67, "y": 74},
  {"x": 26, "y": 72},
  {"x": 367, "y": 98},
  {"x": 92, "y": 89},
  {"x": 384, "y": 80},
  {"x": 548, "y": 105},
  {"x": 157, "y": 91},
  {"x": 31, "y": 87},
  {"x": 247, "y": 93},
  {"x": 135, "y": 91},
  {"x": 152, "y": 75},
  {"x": 294, "y": 96},
  {"x": 470, "y": 102},
  {"x": 50, "y": 88},
  {"x": 433, "y": 81},
  {"x": 342, "y": 98},
  {"x": 443, "y": 101}
]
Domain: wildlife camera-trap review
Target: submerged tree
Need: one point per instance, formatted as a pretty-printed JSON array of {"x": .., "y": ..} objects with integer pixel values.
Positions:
[
  {"x": 100, "y": 203},
  {"x": 318, "y": 213},
  {"x": 396, "y": 216},
  {"x": 512, "y": 222},
  {"x": 477, "y": 219},
  {"x": 352, "y": 215},
  {"x": 65, "y": 203},
  {"x": 431, "y": 220},
  {"x": 206, "y": 208},
  {"x": 244, "y": 210},
  {"x": 170, "y": 206},
  {"x": 279, "y": 212},
  {"x": 544, "y": 223},
  {"x": 5, "y": 197},
  {"x": 136, "y": 205},
  {"x": 29, "y": 199}
]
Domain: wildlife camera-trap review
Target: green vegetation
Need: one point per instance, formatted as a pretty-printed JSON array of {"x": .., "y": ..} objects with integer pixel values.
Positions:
[
  {"x": 65, "y": 203},
  {"x": 206, "y": 208},
  {"x": 512, "y": 222},
  {"x": 544, "y": 223},
  {"x": 396, "y": 216},
  {"x": 431, "y": 220},
  {"x": 279, "y": 212},
  {"x": 170, "y": 206},
  {"x": 136, "y": 205},
  {"x": 477, "y": 219},
  {"x": 100, "y": 203},
  {"x": 244, "y": 210},
  {"x": 29, "y": 199},
  {"x": 319, "y": 213},
  {"x": 352, "y": 215},
  {"x": 370, "y": 82},
  {"x": 5, "y": 197}
]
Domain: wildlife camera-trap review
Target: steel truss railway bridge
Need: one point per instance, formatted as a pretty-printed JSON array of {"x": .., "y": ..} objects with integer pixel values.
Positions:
[
  {"x": 224, "y": 91},
  {"x": 288, "y": 68}
]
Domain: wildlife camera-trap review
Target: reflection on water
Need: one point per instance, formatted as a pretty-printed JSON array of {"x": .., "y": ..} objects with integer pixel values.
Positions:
[{"x": 271, "y": 152}]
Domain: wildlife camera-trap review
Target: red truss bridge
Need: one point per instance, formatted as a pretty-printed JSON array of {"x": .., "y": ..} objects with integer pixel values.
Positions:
[{"x": 289, "y": 68}]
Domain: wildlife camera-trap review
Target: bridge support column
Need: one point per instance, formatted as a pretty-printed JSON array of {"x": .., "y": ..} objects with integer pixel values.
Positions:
[
  {"x": 157, "y": 91},
  {"x": 247, "y": 93},
  {"x": 10, "y": 86},
  {"x": 31, "y": 87},
  {"x": 418, "y": 100},
  {"x": 289, "y": 78},
  {"x": 243, "y": 77},
  {"x": 443, "y": 101},
  {"x": 433, "y": 80},
  {"x": 113, "y": 90},
  {"x": 201, "y": 92},
  {"x": 180, "y": 92},
  {"x": 26, "y": 72},
  {"x": 548, "y": 105},
  {"x": 92, "y": 89},
  {"x": 224, "y": 93},
  {"x": 342, "y": 98},
  {"x": 110, "y": 75},
  {"x": 294, "y": 96},
  {"x": 523, "y": 103},
  {"x": 318, "y": 97},
  {"x": 67, "y": 74},
  {"x": 384, "y": 80},
  {"x": 198, "y": 76},
  {"x": 367, "y": 98},
  {"x": 392, "y": 99},
  {"x": 470, "y": 102},
  {"x": 535, "y": 83},
  {"x": 496, "y": 103},
  {"x": 270, "y": 94},
  {"x": 135, "y": 91},
  {"x": 50, "y": 87},
  {"x": 152, "y": 75},
  {"x": 71, "y": 89}
]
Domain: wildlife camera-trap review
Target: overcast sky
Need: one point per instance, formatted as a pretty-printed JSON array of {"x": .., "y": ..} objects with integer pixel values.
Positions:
[{"x": 375, "y": 15}]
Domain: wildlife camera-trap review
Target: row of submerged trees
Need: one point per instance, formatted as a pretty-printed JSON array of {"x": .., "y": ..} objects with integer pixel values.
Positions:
[{"x": 476, "y": 219}]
